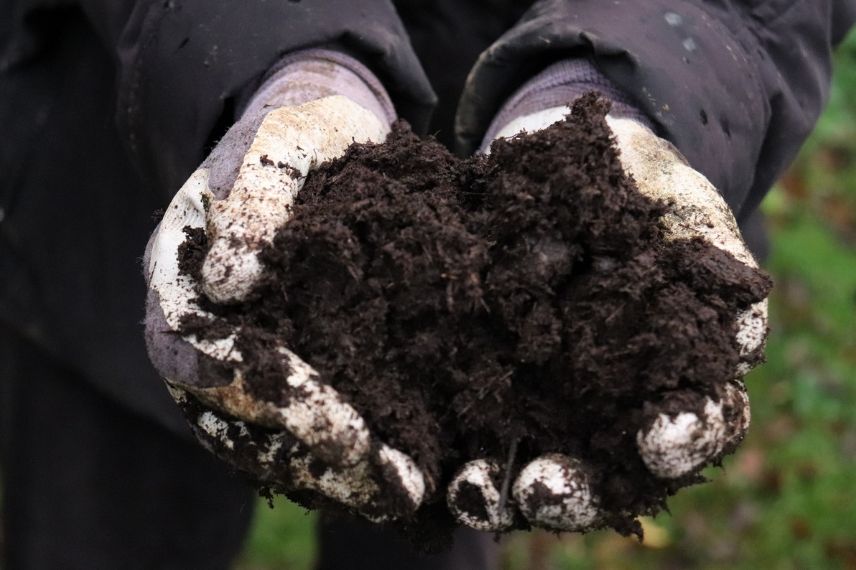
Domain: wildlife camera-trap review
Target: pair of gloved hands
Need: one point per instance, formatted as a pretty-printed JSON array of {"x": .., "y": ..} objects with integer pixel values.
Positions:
[{"x": 306, "y": 113}]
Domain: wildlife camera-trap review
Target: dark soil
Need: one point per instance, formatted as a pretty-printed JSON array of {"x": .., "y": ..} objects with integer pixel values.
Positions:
[{"x": 528, "y": 296}]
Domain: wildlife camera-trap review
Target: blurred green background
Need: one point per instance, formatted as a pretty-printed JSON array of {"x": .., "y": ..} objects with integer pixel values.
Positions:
[{"x": 787, "y": 499}]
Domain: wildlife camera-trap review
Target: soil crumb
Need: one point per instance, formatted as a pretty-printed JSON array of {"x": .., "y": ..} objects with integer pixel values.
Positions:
[{"x": 527, "y": 296}]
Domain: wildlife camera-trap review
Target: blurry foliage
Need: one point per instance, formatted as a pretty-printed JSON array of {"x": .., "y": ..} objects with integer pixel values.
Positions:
[
  {"x": 787, "y": 499},
  {"x": 281, "y": 538}
]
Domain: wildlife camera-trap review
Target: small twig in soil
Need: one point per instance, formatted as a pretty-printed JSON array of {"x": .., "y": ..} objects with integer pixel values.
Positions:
[{"x": 506, "y": 481}]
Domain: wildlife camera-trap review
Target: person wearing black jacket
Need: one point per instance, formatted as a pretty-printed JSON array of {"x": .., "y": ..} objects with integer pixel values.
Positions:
[{"x": 108, "y": 106}]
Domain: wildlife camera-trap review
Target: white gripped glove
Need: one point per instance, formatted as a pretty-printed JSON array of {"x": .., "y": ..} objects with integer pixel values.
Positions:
[
  {"x": 308, "y": 112},
  {"x": 553, "y": 491}
]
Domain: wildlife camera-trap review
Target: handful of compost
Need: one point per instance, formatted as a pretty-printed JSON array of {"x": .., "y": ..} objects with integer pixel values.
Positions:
[{"x": 479, "y": 289}]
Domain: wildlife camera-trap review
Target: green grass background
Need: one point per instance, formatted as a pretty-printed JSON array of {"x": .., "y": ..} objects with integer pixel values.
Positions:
[{"x": 787, "y": 499}]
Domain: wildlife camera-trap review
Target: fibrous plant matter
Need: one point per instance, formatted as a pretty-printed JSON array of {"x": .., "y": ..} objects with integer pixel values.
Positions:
[{"x": 524, "y": 299}]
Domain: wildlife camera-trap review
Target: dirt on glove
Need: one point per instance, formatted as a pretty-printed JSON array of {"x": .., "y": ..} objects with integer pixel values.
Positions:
[{"x": 528, "y": 298}]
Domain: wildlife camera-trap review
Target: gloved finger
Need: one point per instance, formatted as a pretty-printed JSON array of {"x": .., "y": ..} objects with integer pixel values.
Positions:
[
  {"x": 677, "y": 444},
  {"x": 696, "y": 209},
  {"x": 554, "y": 492},
  {"x": 174, "y": 356},
  {"x": 313, "y": 412},
  {"x": 751, "y": 336},
  {"x": 289, "y": 142},
  {"x": 474, "y": 497},
  {"x": 172, "y": 295},
  {"x": 384, "y": 486},
  {"x": 171, "y": 291}
]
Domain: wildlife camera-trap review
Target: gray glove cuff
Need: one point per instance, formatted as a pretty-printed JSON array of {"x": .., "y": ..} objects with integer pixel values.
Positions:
[
  {"x": 311, "y": 74},
  {"x": 560, "y": 84}
]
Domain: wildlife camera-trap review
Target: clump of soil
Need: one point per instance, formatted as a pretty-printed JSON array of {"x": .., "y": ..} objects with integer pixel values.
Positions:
[{"x": 466, "y": 305}]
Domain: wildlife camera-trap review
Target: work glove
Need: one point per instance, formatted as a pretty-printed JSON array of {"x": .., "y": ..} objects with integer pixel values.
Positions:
[
  {"x": 553, "y": 491},
  {"x": 308, "y": 111}
]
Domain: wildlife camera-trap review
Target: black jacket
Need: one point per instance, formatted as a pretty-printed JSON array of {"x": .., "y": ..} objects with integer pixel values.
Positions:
[{"x": 106, "y": 106}]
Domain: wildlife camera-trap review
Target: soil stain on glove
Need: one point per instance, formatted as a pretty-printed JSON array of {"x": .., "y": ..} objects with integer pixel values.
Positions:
[{"x": 526, "y": 296}]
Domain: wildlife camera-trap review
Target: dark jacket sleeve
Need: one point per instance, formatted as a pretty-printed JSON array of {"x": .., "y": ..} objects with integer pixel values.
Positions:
[
  {"x": 182, "y": 64},
  {"x": 736, "y": 86}
]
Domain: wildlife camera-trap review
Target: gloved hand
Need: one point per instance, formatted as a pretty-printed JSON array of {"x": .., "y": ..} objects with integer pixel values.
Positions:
[
  {"x": 553, "y": 491},
  {"x": 308, "y": 112}
]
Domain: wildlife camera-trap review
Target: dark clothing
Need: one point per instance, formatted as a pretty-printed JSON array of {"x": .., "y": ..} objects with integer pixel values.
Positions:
[
  {"x": 91, "y": 486},
  {"x": 107, "y": 106},
  {"x": 76, "y": 220}
]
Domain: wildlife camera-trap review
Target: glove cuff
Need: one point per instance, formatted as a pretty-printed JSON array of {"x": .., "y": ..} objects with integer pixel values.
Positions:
[
  {"x": 311, "y": 74},
  {"x": 560, "y": 84}
]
